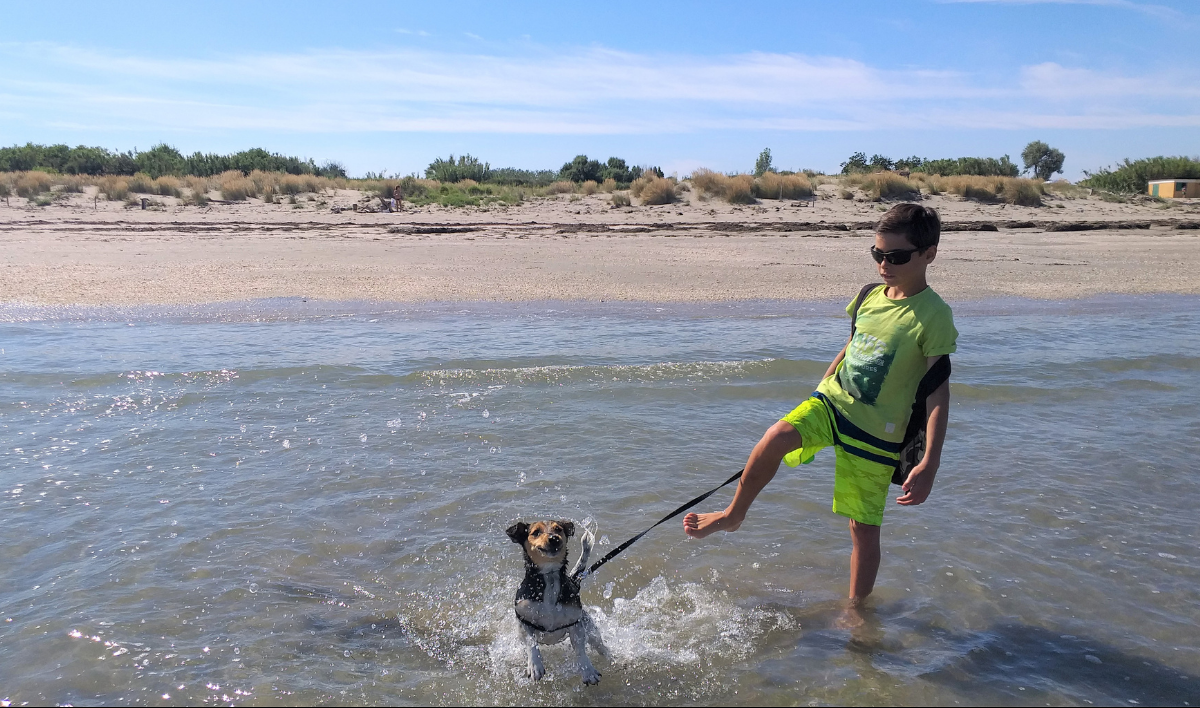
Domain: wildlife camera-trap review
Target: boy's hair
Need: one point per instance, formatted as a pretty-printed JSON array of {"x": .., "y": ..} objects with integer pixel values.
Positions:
[{"x": 920, "y": 225}]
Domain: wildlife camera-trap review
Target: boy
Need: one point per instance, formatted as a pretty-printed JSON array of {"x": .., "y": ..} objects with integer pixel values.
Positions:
[{"x": 863, "y": 404}]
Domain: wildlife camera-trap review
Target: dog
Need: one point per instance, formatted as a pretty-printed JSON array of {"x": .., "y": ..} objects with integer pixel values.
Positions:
[{"x": 547, "y": 604}]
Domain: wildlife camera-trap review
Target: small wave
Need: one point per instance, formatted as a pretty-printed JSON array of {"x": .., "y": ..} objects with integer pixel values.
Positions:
[{"x": 629, "y": 373}]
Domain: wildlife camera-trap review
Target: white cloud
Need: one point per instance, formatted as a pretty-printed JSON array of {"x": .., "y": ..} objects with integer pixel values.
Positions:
[
  {"x": 1051, "y": 80},
  {"x": 1160, "y": 11},
  {"x": 584, "y": 91}
]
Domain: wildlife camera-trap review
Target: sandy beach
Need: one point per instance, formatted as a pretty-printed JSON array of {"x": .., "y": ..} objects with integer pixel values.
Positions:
[{"x": 83, "y": 251}]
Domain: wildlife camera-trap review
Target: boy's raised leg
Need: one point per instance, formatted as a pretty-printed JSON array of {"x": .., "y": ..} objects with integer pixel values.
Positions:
[{"x": 779, "y": 440}]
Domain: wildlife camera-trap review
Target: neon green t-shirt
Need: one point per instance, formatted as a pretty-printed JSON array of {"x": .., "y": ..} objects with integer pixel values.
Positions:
[{"x": 875, "y": 384}]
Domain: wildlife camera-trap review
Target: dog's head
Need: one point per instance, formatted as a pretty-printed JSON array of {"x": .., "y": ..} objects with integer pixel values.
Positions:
[{"x": 545, "y": 542}]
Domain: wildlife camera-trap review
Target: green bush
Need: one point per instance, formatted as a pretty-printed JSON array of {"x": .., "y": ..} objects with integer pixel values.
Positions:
[
  {"x": 523, "y": 178},
  {"x": 1133, "y": 176},
  {"x": 982, "y": 166},
  {"x": 162, "y": 159},
  {"x": 583, "y": 169},
  {"x": 467, "y": 167},
  {"x": 978, "y": 166}
]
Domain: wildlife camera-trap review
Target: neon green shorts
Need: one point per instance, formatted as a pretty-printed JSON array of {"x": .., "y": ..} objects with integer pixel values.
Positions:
[{"x": 863, "y": 472}]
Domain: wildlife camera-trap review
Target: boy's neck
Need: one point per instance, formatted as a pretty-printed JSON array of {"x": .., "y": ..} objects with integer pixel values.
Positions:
[{"x": 900, "y": 291}]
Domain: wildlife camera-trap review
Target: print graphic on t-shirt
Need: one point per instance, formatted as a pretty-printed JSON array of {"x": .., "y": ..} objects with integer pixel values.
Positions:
[{"x": 867, "y": 362}]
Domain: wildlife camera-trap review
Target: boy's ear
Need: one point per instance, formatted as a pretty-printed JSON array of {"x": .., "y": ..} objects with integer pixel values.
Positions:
[
  {"x": 518, "y": 532},
  {"x": 568, "y": 528}
]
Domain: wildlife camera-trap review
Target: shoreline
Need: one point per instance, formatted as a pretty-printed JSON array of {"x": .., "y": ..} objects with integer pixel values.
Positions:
[
  {"x": 267, "y": 310},
  {"x": 568, "y": 249}
]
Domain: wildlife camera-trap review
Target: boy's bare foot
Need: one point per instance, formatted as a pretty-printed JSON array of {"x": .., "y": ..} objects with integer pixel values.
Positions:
[
  {"x": 701, "y": 525},
  {"x": 851, "y": 617},
  {"x": 855, "y": 616}
]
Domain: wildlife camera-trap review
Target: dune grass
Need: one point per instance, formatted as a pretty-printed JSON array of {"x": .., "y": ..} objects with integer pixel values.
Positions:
[
  {"x": 735, "y": 189},
  {"x": 1065, "y": 190},
  {"x": 880, "y": 186},
  {"x": 114, "y": 189},
  {"x": 651, "y": 189},
  {"x": 776, "y": 186},
  {"x": 31, "y": 184},
  {"x": 1011, "y": 190},
  {"x": 559, "y": 187},
  {"x": 235, "y": 186}
]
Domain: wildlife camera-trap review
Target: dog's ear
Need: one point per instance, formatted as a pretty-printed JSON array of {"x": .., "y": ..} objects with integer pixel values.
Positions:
[
  {"x": 568, "y": 528},
  {"x": 518, "y": 532}
]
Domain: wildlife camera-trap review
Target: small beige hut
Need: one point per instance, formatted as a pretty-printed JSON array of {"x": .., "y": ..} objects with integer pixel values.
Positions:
[{"x": 1174, "y": 188}]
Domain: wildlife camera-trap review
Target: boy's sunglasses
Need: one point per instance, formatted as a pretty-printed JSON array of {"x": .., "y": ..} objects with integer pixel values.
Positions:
[{"x": 897, "y": 257}]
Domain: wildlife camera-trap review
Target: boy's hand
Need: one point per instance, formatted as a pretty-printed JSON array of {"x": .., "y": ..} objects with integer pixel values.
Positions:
[{"x": 918, "y": 485}]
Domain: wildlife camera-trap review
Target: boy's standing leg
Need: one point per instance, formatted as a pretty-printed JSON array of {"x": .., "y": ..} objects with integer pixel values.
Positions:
[{"x": 864, "y": 560}]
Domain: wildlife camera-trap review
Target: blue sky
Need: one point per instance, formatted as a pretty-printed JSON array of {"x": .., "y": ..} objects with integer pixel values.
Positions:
[{"x": 392, "y": 85}]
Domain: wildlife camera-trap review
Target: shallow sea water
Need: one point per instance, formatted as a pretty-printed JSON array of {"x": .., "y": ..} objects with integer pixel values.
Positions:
[{"x": 291, "y": 502}]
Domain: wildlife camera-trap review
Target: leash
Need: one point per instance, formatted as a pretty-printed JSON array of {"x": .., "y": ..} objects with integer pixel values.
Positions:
[{"x": 616, "y": 551}]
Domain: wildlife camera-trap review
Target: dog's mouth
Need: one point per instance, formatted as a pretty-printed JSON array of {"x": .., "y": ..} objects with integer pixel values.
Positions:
[{"x": 551, "y": 546}]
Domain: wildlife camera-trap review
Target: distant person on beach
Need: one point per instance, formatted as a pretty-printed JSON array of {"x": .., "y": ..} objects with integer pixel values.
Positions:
[
  {"x": 397, "y": 199},
  {"x": 862, "y": 405}
]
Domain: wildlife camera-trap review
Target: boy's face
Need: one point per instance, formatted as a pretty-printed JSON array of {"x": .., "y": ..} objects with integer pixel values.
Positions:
[{"x": 912, "y": 271}]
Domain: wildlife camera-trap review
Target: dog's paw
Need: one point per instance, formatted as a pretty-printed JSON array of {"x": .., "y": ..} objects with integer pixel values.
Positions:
[
  {"x": 536, "y": 670},
  {"x": 590, "y": 676}
]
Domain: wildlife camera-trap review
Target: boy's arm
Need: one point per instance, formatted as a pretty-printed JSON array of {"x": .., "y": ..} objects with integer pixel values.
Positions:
[{"x": 920, "y": 481}]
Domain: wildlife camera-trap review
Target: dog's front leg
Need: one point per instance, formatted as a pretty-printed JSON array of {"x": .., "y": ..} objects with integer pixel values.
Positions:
[
  {"x": 592, "y": 632},
  {"x": 535, "y": 668},
  {"x": 587, "y": 672}
]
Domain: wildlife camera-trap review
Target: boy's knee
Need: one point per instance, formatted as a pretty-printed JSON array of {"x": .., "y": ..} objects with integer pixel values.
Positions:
[
  {"x": 865, "y": 532},
  {"x": 782, "y": 438}
]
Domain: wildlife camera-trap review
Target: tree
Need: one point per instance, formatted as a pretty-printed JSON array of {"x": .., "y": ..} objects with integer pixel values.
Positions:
[
  {"x": 857, "y": 163},
  {"x": 581, "y": 169},
  {"x": 763, "y": 163},
  {"x": 616, "y": 169},
  {"x": 162, "y": 159},
  {"x": 879, "y": 163},
  {"x": 1042, "y": 159}
]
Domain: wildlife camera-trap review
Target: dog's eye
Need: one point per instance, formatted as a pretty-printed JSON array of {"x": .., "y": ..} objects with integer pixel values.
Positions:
[{"x": 536, "y": 533}]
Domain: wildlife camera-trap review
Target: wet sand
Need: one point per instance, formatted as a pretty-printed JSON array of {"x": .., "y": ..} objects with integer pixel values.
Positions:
[{"x": 83, "y": 252}]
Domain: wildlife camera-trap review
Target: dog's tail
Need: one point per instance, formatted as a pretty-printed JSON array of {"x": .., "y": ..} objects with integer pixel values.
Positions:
[{"x": 587, "y": 539}]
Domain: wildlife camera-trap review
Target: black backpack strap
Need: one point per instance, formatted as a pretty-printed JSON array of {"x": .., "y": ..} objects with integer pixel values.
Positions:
[
  {"x": 858, "y": 301},
  {"x": 933, "y": 379}
]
